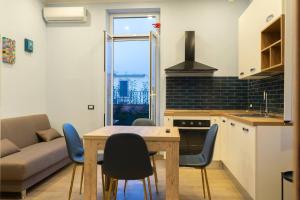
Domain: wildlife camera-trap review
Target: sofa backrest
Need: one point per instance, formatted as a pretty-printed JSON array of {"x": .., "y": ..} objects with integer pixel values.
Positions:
[{"x": 22, "y": 130}]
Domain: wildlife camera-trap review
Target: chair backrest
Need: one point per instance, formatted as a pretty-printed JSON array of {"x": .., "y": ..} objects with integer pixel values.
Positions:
[
  {"x": 73, "y": 141},
  {"x": 126, "y": 157},
  {"x": 209, "y": 144},
  {"x": 143, "y": 122}
]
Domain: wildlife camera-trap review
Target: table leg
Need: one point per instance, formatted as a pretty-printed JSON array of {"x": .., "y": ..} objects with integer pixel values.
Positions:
[
  {"x": 172, "y": 172},
  {"x": 90, "y": 170}
]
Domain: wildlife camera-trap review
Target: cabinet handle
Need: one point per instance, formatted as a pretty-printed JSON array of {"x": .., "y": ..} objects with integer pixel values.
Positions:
[
  {"x": 252, "y": 69},
  {"x": 232, "y": 124},
  {"x": 269, "y": 17},
  {"x": 245, "y": 129},
  {"x": 242, "y": 73}
]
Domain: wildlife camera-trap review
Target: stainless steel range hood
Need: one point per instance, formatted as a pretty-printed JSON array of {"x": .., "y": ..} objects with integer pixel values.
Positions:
[{"x": 190, "y": 66}]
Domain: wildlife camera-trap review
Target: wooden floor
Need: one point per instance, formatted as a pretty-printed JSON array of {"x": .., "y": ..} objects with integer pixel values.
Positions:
[{"x": 56, "y": 187}]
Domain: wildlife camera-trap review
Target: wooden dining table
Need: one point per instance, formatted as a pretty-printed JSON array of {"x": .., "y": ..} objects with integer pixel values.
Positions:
[{"x": 157, "y": 138}]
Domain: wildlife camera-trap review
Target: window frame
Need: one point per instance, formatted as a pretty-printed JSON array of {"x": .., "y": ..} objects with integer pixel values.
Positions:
[{"x": 131, "y": 15}]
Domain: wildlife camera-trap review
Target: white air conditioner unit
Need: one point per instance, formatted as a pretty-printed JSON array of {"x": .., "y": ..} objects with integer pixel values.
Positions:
[{"x": 65, "y": 14}]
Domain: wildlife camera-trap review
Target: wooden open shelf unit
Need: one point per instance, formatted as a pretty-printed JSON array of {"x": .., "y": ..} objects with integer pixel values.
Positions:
[{"x": 272, "y": 47}]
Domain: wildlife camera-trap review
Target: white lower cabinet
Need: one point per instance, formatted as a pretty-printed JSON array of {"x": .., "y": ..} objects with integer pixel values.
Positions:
[{"x": 256, "y": 156}]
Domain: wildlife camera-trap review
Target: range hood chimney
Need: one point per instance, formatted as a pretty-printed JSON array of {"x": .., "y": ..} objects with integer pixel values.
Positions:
[{"x": 190, "y": 65}]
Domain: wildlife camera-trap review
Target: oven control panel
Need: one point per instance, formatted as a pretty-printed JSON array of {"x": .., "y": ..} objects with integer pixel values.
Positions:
[{"x": 191, "y": 123}]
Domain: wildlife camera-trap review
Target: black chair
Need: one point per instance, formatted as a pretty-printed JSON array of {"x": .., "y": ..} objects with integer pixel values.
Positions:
[
  {"x": 126, "y": 158},
  {"x": 76, "y": 153},
  {"x": 203, "y": 159},
  {"x": 147, "y": 122}
]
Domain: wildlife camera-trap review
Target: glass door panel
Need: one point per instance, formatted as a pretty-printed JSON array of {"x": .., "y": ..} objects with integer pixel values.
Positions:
[
  {"x": 131, "y": 81},
  {"x": 108, "y": 67}
]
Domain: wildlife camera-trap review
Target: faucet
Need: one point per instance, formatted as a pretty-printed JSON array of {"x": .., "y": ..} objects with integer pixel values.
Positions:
[{"x": 266, "y": 103}]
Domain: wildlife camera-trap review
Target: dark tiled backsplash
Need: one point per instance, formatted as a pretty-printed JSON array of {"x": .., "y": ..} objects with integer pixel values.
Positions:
[
  {"x": 223, "y": 93},
  {"x": 275, "y": 88}
]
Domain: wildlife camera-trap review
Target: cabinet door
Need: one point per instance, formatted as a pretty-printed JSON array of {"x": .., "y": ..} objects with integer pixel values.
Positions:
[
  {"x": 224, "y": 139},
  {"x": 247, "y": 158},
  {"x": 249, "y": 42},
  {"x": 217, "y": 150},
  {"x": 232, "y": 143}
]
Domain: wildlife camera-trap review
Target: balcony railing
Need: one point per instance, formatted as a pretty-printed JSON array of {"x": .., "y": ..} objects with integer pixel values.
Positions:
[{"x": 133, "y": 97}]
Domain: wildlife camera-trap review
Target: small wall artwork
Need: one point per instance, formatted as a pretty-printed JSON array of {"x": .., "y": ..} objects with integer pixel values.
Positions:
[
  {"x": 28, "y": 45},
  {"x": 8, "y": 50}
]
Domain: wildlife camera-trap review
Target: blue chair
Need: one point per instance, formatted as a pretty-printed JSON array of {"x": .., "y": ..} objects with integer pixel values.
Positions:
[
  {"x": 76, "y": 153},
  {"x": 148, "y": 122},
  {"x": 203, "y": 159}
]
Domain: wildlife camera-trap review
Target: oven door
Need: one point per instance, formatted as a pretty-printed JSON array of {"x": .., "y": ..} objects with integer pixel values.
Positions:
[{"x": 192, "y": 140}]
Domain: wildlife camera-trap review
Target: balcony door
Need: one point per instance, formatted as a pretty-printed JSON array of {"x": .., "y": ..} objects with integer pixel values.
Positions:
[{"x": 132, "y": 80}]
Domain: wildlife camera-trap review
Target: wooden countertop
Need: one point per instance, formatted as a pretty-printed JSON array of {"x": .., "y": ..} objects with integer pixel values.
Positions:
[{"x": 253, "y": 121}]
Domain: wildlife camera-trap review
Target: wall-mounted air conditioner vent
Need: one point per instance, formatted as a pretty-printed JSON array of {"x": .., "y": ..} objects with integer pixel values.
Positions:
[{"x": 65, "y": 14}]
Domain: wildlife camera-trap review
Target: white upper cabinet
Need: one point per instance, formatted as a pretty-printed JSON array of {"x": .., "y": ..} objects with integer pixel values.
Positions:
[{"x": 256, "y": 17}]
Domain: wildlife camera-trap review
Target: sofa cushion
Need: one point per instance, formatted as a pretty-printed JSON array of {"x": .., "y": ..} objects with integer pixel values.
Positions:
[
  {"x": 32, "y": 159},
  {"x": 48, "y": 135},
  {"x": 21, "y": 130},
  {"x": 7, "y": 148}
]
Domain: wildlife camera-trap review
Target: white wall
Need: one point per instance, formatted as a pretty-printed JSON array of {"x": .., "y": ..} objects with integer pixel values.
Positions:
[
  {"x": 23, "y": 85},
  {"x": 75, "y": 53}
]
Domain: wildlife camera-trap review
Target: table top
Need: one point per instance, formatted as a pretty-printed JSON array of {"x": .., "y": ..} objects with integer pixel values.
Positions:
[{"x": 149, "y": 133}]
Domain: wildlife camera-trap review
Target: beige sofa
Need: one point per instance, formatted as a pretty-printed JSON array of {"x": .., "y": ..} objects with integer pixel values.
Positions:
[{"x": 36, "y": 160}]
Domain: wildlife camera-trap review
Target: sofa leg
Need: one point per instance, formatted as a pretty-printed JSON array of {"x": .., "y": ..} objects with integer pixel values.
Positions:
[{"x": 23, "y": 194}]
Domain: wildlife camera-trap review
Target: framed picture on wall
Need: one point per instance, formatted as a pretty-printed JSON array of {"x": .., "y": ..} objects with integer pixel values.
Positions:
[
  {"x": 28, "y": 45},
  {"x": 8, "y": 50}
]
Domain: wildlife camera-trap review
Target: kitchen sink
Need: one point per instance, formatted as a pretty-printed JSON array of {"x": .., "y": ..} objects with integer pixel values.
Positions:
[{"x": 254, "y": 115}]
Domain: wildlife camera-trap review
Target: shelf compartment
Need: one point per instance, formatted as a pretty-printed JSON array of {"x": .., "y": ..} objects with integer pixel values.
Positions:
[
  {"x": 277, "y": 43},
  {"x": 266, "y": 59},
  {"x": 276, "y": 56},
  {"x": 271, "y": 34}
]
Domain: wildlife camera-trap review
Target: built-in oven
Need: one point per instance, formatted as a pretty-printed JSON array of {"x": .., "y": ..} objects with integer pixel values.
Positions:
[{"x": 192, "y": 135}]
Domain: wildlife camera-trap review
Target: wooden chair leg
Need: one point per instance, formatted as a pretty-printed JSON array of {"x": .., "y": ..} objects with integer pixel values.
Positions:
[
  {"x": 72, "y": 181},
  {"x": 207, "y": 185},
  {"x": 107, "y": 182},
  {"x": 81, "y": 181},
  {"x": 116, "y": 189},
  {"x": 145, "y": 190},
  {"x": 203, "y": 184},
  {"x": 109, "y": 189},
  {"x": 149, "y": 187},
  {"x": 103, "y": 183},
  {"x": 155, "y": 173},
  {"x": 125, "y": 185}
]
